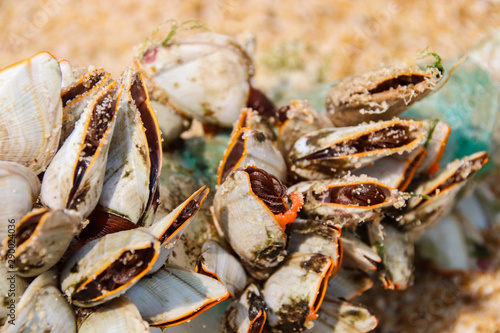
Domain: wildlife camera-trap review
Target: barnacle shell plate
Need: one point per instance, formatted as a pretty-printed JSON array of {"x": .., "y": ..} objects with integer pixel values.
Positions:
[
  {"x": 95, "y": 257},
  {"x": 31, "y": 111},
  {"x": 249, "y": 225},
  {"x": 204, "y": 75},
  {"x": 172, "y": 296}
]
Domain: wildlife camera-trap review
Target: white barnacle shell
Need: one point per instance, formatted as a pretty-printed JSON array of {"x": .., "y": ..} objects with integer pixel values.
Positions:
[
  {"x": 43, "y": 308},
  {"x": 297, "y": 119},
  {"x": 171, "y": 123},
  {"x": 245, "y": 314},
  {"x": 347, "y": 201},
  {"x": 251, "y": 147},
  {"x": 10, "y": 281},
  {"x": 204, "y": 75},
  {"x": 19, "y": 189},
  {"x": 395, "y": 170},
  {"x": 78, "y": 94},
  {"x": 294, "y": 292},
  {"x": 328, "y": 152},
  {"x": 169, "y": 229},
  {"x": 118, "y": 315},
  {"x": 317, "y": 236},
  {"x": 31, "y": 111},
  {"x": 173, "y": 295},
  {"x": 349, "y": 283},
  {"x": 70, "y": 74},
  {"x": 358, "y": 255},
  {"x": 135, "y": 155},
  {"x": 107, "y": 267},
  {"x": 396, "y": 251},
  {"x": 249, "y": 225},
  {"x": 422, "y": 212},
  {"x": 254, "y": 120},
  {"x": 75, "y": 176},
  {"x": 379, "y": 95},
  {"x": 42, "y": 236},
  {"x": 435, "y": 144},
  {"x": 215, "y": 261}
]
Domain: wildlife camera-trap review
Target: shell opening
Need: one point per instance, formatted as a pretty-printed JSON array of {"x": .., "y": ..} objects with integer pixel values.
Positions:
[
  {"x": 463, "y": 173},
  {"x": 394, "y": 136},
  {"x": 140, "y": 98},
  {"x": 362, "y": 194},
  {"x": 85, "y": 85},
  {"x": 200, "y": 268},
  {"x": 257, "y": 324},
  {"x": 398, "y": 81},
  {"x": 269, "y": 189},
  {"x": 191, "y": 206},
  {"x": 118, "y": 273},
  {"x": 186, "y": 213},
  {"x": 102, "y": 114},
  {"x": 233, "y": 157},
  {"x": 26, "y": 228}
]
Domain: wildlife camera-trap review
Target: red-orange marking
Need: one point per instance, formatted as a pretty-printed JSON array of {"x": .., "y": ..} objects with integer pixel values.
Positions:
[{"x": 290, "y": 215}]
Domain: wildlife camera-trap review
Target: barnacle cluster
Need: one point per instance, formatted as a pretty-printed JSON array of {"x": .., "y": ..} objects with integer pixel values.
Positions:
[{"x": 310, "y": 207}]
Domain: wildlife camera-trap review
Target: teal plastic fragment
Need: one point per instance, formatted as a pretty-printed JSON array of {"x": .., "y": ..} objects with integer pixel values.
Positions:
[
  {"x": 202, "y": 156},
  {"x": 469, "y": 103}
]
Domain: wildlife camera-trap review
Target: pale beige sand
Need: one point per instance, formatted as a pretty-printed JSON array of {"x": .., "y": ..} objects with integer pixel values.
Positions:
[{"x": 323, "y": 38}]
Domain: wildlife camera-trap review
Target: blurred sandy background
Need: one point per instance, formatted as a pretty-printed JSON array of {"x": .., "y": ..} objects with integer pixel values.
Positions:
[
  {"x": 300, "y": 43},
  {"x": 323, "y": 38}
]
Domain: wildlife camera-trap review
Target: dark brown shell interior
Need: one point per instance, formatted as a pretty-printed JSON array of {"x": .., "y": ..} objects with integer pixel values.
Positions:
[
  {"x": 86, "y": 84},
  {"x": 118, "y": 273},
  {"x": 102, "y": 114},
  {"x": 398, "y": 81},
  {"x": 463, "y": 173},
  {"x": 361, "y": 194},
  {"x": 186, "y": 213},
  {"x": 259, "y": 102},
  {"x": 269, "y": 189},
  {"x": 26, "y": 228},
  {"x": 233, "y": 157},
  {"x": 140, "y": 97},
  {"x": 394, "y": 136}
]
